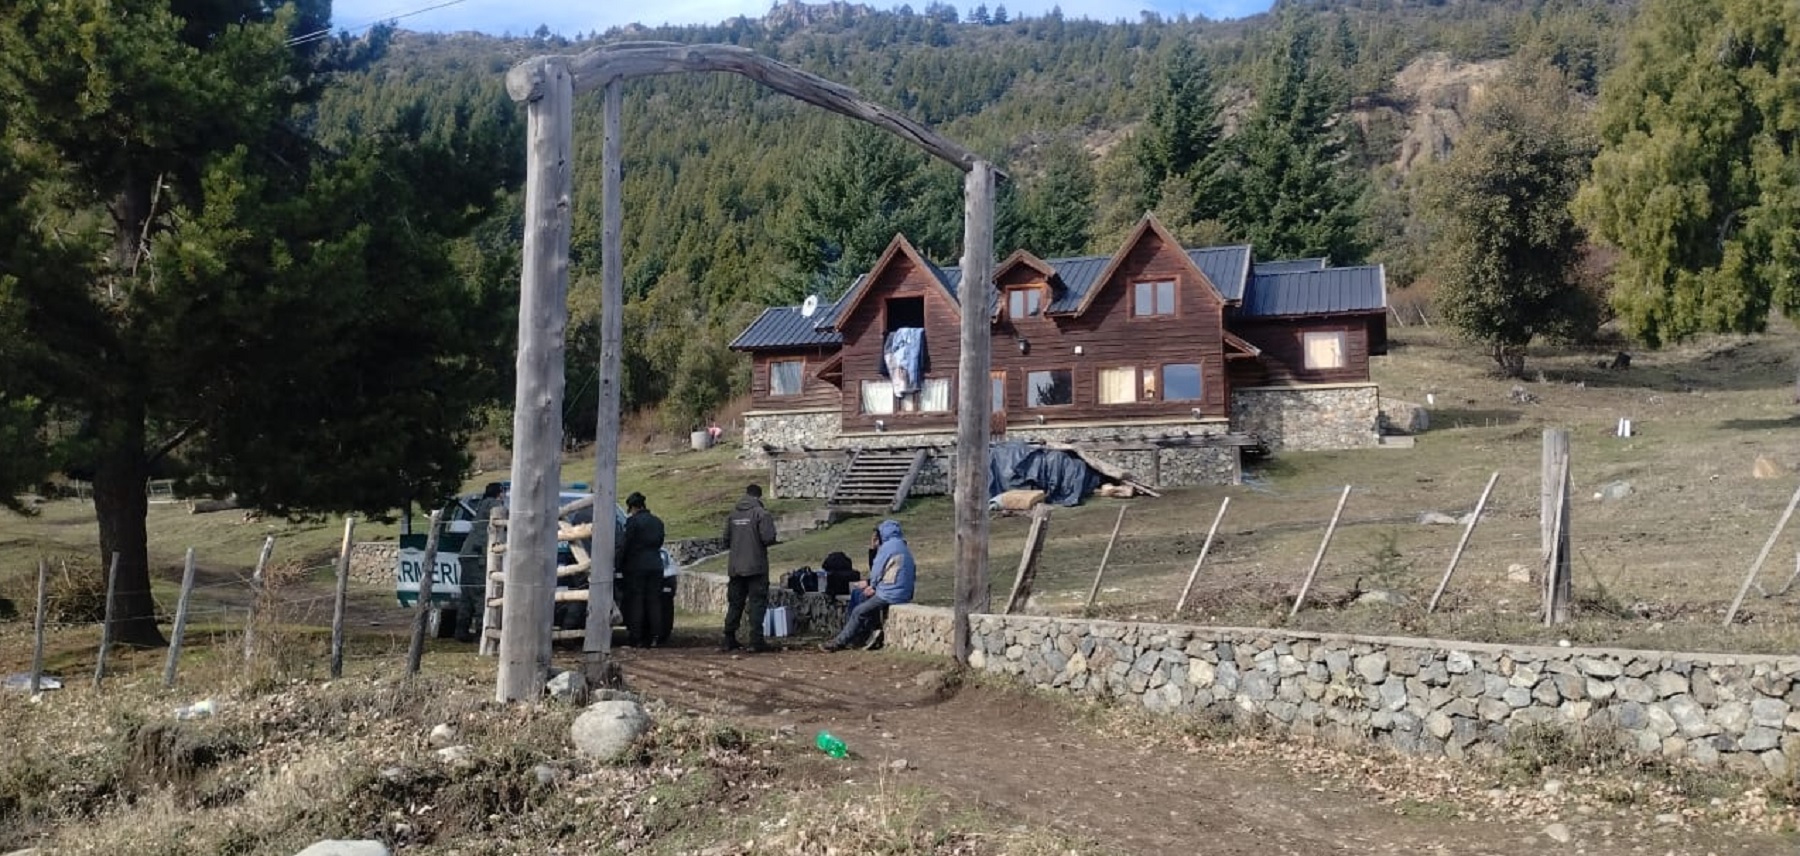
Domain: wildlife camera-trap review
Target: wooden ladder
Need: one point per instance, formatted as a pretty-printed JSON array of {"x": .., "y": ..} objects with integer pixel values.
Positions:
[{"x": 573, "y": 535}]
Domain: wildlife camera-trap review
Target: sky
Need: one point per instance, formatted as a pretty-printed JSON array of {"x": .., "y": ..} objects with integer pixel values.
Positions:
[{"x": 521, "y": 17}]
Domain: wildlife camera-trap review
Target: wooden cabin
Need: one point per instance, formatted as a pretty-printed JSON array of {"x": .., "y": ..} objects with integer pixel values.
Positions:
[{"x": 1154, "y": 344}]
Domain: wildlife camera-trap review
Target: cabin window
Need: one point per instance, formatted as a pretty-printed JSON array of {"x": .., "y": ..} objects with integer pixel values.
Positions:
[
  {"x": 934, "y": 395},
  {"x": 998, "y": 379},
  {"x": 905, "y": 312},
  {"x": 1052, "y": 388},
  {"x": 785, "y": 376},
  {"x": 877, "y": 397},
  {"x": 1325, "y": 350},
  {"x": 1181, "y": 382},
  {"x": 1153, "y": 298},
  {"x": 1024, "y": 302},
  {"x": 1118, "y": 386}
]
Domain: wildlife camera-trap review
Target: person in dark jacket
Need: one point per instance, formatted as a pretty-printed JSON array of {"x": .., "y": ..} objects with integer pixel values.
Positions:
[
  {"x": 472, "y": 562},
  {"x": 749, "y": 530},
  {"x": 639, "y": 560},
  {"x": 890, "y": 582}
]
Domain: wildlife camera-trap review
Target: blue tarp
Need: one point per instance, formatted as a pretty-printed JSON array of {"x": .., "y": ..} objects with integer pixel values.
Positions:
[{"x": 1063, "y": 476}]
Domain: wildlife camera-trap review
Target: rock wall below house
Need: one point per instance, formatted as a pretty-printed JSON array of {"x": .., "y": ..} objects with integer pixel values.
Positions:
[
  {"x": 818, "y": 429},
  {"x": 813, "y": 474},
  {"x": 1309, "y": 418}
]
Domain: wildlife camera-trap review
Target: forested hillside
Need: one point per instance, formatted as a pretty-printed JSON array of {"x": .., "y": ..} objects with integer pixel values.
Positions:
[{"x": 736, "y": 197}]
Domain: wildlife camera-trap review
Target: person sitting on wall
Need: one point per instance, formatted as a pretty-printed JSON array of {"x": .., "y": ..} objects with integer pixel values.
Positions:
[{"x": 890, "y": 582}]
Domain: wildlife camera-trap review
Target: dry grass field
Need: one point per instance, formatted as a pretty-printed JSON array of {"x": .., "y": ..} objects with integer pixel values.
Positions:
[{"x": 1654, "y": 569}]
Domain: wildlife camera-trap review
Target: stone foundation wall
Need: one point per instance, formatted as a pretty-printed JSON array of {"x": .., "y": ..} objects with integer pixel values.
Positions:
[
  {"x": 374, "y": 562},
  {"x": 814, "y": 474},
  {"x": 1309, "y": 418},
  {"x": 925, "y": 629},
  {"x": 817, "y": 429},
  {"x": 1424, "y": 696}
]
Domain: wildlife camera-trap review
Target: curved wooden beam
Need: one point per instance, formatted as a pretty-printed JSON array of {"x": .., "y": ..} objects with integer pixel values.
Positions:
[{"x": 594, "y": 68}]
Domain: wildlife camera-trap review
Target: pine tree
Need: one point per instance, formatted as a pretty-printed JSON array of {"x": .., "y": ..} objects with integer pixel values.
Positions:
[
  {"x": 1288, "y": 185},
  {"x": 285, "y": 318},
  {"x": 1698, "y": 178},
  {"x": 1058, "y": 205},
  {"x": 1507, "y": 246}
]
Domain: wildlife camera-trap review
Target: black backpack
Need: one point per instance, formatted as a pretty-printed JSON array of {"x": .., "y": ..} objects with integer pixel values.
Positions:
[
  {"x": 839, "y": 574},
  {"x": 802, "y": 580}
]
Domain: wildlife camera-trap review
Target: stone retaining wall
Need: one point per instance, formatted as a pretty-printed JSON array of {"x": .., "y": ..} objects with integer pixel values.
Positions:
[
  {"x": 814, "y": 473},
  {"x": 374, "y": 562},
  {"x": 1307, "y": 418},
  {"x": 1424, "y": 696}
]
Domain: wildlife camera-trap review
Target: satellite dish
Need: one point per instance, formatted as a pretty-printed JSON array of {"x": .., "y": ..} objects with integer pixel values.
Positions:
[{"x": 810, "y": 306}]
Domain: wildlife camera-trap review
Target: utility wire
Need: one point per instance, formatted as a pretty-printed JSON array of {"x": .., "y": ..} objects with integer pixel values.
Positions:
[{"x": 325, "y": 32}]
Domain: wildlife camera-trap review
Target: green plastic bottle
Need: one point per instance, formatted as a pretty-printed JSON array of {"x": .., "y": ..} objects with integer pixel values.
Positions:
[{"x": 831, "y": 745}]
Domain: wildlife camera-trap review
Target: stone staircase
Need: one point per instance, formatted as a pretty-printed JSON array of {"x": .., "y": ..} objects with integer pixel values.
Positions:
[{"x": 877, "y": 481}]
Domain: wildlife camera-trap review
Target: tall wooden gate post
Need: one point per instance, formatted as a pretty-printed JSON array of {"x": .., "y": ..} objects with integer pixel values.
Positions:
[
  {"x": 596, "y": 643},
  {"x": 974, "y": 405},
  {"x": 538, "y": 400}
]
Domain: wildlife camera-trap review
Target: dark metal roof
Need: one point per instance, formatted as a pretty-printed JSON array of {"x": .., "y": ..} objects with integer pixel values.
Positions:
[
  {"x": 1227, "y": 267},
  {"x": 1291, "y": 265},
  {"x": 1288, "y": 287},
  {"x": 1316, "y": 292},
  {"x": 785, "y": 327}
]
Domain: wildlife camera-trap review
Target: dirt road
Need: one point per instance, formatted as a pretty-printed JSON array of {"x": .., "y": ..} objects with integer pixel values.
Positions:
[{"x": 1035, "y": 760}]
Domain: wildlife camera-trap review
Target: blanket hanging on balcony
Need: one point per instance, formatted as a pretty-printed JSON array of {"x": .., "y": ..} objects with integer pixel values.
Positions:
[{"x": 903, "y": 356}]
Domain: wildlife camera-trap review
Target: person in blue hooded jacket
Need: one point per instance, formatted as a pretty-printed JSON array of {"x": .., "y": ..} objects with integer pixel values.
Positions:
[{"x": 890, "y": 582}]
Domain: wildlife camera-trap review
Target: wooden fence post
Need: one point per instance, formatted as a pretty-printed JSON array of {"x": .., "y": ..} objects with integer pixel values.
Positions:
[
  {"x": 256, "y": 596},
  {"x": 1769, "y": 545},
  {"x": 1204, "y": 549},
  {"x": 1028, "y": 561},
  {"x": 181, "y": 616},
  {"x": 1558, "y": 557},
  {"x": 37, "y": 625},
  {"x": 338, "y": 596},
  {"x": 112, "y": 584},
  {"x": 1094, "y": 590},
  {"x": 1463, "y": 542},
  {"x": 422, "y": 607},
  {"x": 1320, "y": 557}
]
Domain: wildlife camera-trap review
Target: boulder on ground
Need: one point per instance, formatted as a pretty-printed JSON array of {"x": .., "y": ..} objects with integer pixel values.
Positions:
[
  {"x": 362, "y": 847},
  {"x": 1021, "y": 500},
  {"x": 608, "y": 728},
  {"x": 1766, "y": 468},
  {"x": 570, "y": 686}
]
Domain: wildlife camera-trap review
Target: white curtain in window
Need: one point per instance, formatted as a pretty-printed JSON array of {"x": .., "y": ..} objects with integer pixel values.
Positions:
[
  {"x": 785, "y": 377},
  {"x": 934, "y": 395},
  {"x": 1118, "y": 386},
  {"x": 877, "y": 397},
  {"x": 1325, "y": 350}
]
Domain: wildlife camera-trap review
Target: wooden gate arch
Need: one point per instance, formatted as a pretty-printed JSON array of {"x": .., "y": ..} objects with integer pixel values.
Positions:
[{"x": 547, "y": 85}]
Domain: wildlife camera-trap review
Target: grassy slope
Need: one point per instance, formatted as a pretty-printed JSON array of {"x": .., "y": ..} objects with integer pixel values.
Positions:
[{"x": 1674, "y": 551}]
